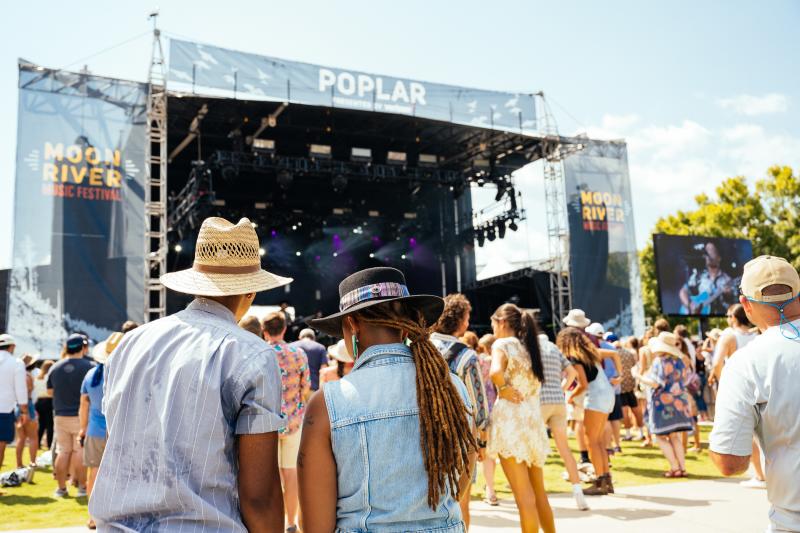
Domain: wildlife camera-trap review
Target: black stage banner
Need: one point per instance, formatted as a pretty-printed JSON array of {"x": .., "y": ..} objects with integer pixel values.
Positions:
[
  {"x": 604, "y": 264},
  {"x": 222, "y": 72},
  {"x": 78, "y": 207}
]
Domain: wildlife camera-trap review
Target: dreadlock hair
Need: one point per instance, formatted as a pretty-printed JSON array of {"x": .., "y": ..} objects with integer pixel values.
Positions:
[
  {"x": 574, "y": 343},
  {"x": 446, "y": 438},
  {"x": 524, "y": 327}
]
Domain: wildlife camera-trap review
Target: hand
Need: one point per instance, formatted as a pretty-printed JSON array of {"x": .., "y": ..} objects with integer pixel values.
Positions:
[
  {"x": 510, "y": 394},
  {"x": 615, "y": 381},
  {"x": 82, "y": 434},
  {"x": 22, "y": 420},
  {"x": 481, "y": 454}
]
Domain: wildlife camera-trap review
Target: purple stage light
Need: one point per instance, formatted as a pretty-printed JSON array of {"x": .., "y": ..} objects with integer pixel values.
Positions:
[
  {"x": 274, "y": 233},
  {"x": 412, "y": 242}
]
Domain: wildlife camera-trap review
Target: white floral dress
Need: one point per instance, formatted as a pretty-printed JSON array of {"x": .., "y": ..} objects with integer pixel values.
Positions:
[{"x": 517, "y": 429}]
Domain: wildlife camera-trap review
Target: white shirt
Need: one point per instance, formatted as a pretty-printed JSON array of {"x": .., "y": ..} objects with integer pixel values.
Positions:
[
  {"x": 759, "y": 393},
  {"x": 13, "y": 389}
]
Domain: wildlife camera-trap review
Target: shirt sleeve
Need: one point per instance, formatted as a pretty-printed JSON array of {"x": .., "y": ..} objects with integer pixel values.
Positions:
[
  {"x": 735, "y": 418},
  {"x": 657, "y": 371},
  {"x": 259, "y": 396},
  {"x": 85, "y": 382},
  {"x": 20, "y": 387},
  {"x": 478, "y": 393},
  {"x": 50, "y": 380}
]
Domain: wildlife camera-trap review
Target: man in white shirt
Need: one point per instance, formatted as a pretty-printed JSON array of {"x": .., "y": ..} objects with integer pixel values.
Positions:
[
  {"x": 13, "y": 392},
  {"x": 758, "y": 391}
]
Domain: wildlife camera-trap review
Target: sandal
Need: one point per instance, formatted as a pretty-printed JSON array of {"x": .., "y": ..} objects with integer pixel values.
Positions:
[
  {"x": 491, "y": 501},
  {"x": 683, "y": 473},
  {"x": 672, "y": 473}
]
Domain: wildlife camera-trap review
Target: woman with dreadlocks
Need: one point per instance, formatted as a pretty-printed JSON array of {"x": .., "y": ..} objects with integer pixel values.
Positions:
[
  {"x": 388, "y": 446},
  {"x": 518, "y": 435}
]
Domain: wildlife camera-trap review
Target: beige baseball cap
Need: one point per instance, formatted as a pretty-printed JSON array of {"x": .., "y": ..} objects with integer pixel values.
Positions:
[{"x": 767, "y": 270}]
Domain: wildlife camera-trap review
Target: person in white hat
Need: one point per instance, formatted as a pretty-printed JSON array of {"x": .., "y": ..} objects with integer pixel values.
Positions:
[
  {"x": 576, "y": 318},
  {"x": 343, "y": 364},
  {"x": 13, "y": 391},
  {"x": 193, "y": 404},
  {"x": 759, "y": 392}
]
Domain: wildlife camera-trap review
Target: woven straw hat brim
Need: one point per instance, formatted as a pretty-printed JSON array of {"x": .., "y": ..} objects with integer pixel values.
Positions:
[
  {"x": 196, "y": 283},
  {"x": 430, "y": 306}
]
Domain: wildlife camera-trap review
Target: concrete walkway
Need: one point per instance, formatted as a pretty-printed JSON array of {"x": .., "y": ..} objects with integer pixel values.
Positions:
[{"x": 687, "y": 507}]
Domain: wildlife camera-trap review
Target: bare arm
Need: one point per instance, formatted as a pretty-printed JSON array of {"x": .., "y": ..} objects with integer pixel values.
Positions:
[
  {"x": 497, "y": 375},
  {"x": 83, "y": 414},
  {"x": 570, "y": 375},
  {"x": 260, "y": 495},
  {"x": 583, "y": 383},
  {"x": 316, "y": 470},
  {"x": 726, "y": 347},
  {"x": 730, "y": 465}
]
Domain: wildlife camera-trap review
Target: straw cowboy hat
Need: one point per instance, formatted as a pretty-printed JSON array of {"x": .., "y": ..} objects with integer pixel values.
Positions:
[
  {"x": 226, "y": 262},
  {"x": 103, "y": 349},
  {"x": 576, "y": 318},
  {"x": 714, "y": 334},
  {"x": 375, "y": 286},
  {"x": 666, "y": 342},
  {"x": 339, "y": 352}
]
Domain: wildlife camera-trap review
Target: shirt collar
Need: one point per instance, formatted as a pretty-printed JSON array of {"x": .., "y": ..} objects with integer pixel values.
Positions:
[
  {"x": 436, "y": 336},
  {"x": 380, "y": 350},
  {"x": 210, "y": 306}
]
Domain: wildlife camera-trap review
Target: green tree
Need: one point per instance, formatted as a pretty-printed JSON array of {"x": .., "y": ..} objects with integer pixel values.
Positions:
[{"x": 768, "y": 215}]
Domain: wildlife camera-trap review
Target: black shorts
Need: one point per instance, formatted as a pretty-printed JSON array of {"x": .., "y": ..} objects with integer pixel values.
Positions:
[
  {"x": 616, "y": 414},
  {"x": 629, "y": 400},
  {"x": 7, "y": 421}
]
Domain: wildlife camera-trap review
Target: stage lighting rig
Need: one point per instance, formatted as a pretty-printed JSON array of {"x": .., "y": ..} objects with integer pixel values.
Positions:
[
  {"x": 501, "y": 229},
  {"x": 481, "y": 236},
  {"x": 490, "y": 234},
  {"x": 513, "y": 225}
]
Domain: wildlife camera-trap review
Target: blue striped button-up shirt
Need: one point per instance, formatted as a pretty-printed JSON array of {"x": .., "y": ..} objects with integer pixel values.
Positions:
[{"x": 177, "y": 392}]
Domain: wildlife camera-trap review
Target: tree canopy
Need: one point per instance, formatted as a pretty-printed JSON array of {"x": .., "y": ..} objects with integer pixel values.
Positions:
[{"x": 767, "y": 214}]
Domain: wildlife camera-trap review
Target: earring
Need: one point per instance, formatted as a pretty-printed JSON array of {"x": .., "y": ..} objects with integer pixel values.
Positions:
[{"x": 354, "y": 342}]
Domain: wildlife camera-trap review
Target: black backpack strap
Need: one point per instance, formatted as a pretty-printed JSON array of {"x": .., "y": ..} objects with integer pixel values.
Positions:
[{"x": 455, "y": 349}]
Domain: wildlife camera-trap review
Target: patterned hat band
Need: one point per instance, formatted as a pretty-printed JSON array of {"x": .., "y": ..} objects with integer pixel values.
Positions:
[{"x": 372, "y": 292}]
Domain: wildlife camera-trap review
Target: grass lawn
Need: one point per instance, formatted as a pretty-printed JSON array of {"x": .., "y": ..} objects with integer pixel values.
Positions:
[{"x": 33, "y": 506}]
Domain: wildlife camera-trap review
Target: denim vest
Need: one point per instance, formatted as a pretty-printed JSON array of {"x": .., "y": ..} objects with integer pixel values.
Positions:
[{"x": 375, "y": 434}]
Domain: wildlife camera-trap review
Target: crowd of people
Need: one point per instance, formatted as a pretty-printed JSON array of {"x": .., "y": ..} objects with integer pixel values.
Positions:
[{"x": 210, "y": 418}]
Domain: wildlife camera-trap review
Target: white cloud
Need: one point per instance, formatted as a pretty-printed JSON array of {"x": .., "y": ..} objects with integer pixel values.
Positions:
[
  {"x": 749, "y": 105},
  {"x": 751, "y": 150},
  {"x": 670, "y": 141}
]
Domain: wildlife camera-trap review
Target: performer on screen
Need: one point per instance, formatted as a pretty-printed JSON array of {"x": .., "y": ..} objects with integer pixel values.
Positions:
[{"x": 708, "y": 291}]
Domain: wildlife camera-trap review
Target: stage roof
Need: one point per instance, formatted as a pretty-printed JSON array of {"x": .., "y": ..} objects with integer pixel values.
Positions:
[{"x": 214, "y": 71}]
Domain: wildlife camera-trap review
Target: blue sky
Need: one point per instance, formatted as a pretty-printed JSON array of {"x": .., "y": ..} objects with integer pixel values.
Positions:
[{"x": 701, "y": 90}]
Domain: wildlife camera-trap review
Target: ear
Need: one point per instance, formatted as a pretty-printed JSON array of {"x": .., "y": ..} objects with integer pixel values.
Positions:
[{"x": 747, "y": 304}]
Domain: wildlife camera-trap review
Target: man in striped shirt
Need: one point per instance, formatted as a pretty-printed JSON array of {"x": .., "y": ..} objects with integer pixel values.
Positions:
[{"x": 193, "y": 405}]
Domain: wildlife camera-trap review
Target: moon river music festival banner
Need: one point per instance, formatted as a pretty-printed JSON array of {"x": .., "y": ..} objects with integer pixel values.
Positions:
[{"x": 78, "y": 208}]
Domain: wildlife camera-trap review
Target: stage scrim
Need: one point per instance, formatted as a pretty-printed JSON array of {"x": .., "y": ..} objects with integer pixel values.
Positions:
[
  {"x": 195, "y": 66},
  {"x": 78, "y": 207},
  {"x": 603, "y": 260}
]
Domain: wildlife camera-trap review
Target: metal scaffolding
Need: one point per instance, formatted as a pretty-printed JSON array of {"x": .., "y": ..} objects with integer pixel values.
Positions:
[
  {"x": 556, "y": 211},
  {"x": 155, "y": 191}
]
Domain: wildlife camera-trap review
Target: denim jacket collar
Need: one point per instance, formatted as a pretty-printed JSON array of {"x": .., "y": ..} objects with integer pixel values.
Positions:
[{"x": 382, "y": 351}]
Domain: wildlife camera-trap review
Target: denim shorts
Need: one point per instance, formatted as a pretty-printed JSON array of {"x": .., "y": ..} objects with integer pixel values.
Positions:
[{"x": 600, "y": 397}]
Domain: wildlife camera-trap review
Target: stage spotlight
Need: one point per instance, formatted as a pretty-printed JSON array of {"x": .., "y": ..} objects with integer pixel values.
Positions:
[
  {"x": 339, "y": 182},
  {"x": 396, "y": 158},
  {"x": 361, "y": 155},
  {"x": 335, "y": 254},
  {"x": 403, "y": 256},
  {"x": 264, "y": 146},
  {"x": 319, "y": 151},
  {"x": 372, "y": 256},
  {"x": 501, "y": 229},
  {"x": 428, "y": 160},
  {"x": 262, "y": 252},
  {"x": 513, "y": 226},
  {"x": 294, "y": 227},
  {"x": 490, "y": 234},
  {"x": 298, "y": 253},
  {"x": 178, "y": 248},
  {"x": 481, "y": 237},
  {"x": 254, "y": 225}
]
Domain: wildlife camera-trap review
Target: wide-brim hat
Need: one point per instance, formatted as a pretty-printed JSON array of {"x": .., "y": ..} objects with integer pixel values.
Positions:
[
  {"x": 226, "y": 262},
  {"x": 102, "y": 350},
  {"x": 666, "y": 342},
  {"x": 714, "y": 334},
  {"x": 576, "y": 318},
  {"x": 339, "y": 352},
  {"x": 375, "y": 286}
]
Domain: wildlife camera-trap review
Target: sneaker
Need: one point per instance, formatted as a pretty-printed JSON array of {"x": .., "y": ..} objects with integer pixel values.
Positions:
[
  {"x": 754, "y": 483},
  {"x": 580, "y": 501},
  {"x": 61, "y": 493},
  {"x": 81, "y": 493}
]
